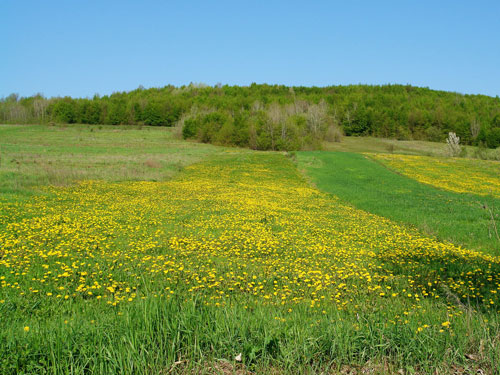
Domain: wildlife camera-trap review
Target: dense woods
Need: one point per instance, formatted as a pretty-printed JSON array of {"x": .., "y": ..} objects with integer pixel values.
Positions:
[{"x": 277, "y": 117}]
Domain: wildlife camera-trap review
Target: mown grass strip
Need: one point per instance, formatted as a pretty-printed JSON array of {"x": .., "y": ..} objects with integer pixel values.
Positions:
[
  {"x": 456, "y": 217},
  {"x": 461, "y": 175}
]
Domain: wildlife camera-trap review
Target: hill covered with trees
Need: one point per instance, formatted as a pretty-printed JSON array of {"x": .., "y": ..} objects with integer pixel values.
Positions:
[{"x": 277, "y": 117}]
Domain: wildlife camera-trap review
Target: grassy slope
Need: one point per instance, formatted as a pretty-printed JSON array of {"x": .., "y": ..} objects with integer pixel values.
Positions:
[
  {"x": 461, "y": 175},
  {"x": 370, "y": 186},
  {"x": 149, "y": 335},
  {"x": 37, "y": 155},
  {"x": 385, "y": 145}
]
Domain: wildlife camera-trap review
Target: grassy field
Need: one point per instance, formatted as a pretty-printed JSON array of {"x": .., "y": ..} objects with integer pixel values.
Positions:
[
  {"x": 229, "y": 262},
  {"x": 394, "y": 146},
  {"x": 382, "y": 145},
  {"x": 34, "y": 155},
  {"x": 455, "y": 174},
  {"x": 450, "y": 216}
]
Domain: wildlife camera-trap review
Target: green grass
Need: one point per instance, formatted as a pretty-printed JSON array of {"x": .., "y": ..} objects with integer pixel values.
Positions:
[
  {"x": 37, "y": 155},
  {"x": 159, "y": 336},
  {"x": 368, "y": 185},
  {"x": 238, "y": 212},
  {"x": 462, "y": 175}
]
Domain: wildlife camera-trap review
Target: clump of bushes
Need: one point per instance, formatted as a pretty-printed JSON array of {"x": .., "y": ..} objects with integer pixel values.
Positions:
[{"x": 272, "y": 127}]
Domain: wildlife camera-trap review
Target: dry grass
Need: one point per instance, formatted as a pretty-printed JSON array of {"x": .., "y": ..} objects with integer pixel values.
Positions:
[
  {"x": 390, "y": 146},
  {"x": 37, "y": 155}
]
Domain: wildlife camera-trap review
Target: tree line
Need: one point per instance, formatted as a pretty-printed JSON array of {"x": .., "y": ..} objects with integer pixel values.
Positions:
[{"x": 277, "y": 117}]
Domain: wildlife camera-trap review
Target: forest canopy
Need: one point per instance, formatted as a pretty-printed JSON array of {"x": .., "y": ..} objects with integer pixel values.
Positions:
[{"x": 277, "y": 117}]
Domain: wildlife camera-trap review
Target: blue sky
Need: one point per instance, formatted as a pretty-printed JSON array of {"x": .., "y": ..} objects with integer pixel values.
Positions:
[{"x": 80, "y": 48}]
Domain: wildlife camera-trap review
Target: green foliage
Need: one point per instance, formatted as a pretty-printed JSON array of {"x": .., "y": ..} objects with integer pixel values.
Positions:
[
  {"x": 214, "y": 127},
  {"x": 64, "y": 111},
  {"x": 260, "y": 114},
  {"x": 190, "y": 127},
  {"x": 209, "y": 130},
  {"x": 493, "y": 138},
  {"x": 117, "y": 112},
  {"x": 90, "y": 112}
]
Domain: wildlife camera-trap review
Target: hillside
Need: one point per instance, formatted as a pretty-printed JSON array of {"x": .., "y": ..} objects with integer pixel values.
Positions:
[
  {"x": 126, "y": 250},
  {"x": 278, "y": 117}
]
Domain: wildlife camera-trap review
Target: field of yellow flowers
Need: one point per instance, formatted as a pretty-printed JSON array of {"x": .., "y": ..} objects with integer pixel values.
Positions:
[
  {"x": 456, "y": 174},
  {"x": 245, "y": 239}
]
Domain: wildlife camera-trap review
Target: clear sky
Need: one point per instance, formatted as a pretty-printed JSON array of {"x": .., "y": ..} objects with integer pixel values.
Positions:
[{"x": 80, "y": 48}]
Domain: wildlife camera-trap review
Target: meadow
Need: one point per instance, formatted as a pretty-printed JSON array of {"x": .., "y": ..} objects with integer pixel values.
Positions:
[
  {"x": 138, "y": 253},
  {"x": 461, "y": 216},
  {"x": 459, "y": 175},
  {"x": 34, "y": 156}
]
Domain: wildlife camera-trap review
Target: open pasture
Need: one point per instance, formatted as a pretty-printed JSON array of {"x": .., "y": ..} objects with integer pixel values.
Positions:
[
  {"x": 33, "y": 155},
  {"x": 237, "y": 253}
]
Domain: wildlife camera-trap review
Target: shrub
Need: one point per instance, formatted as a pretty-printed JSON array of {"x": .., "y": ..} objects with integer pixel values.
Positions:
[
  {"x": 64, "y": 111},
  {"x": 333, "y": 134},
  {"x": 189, "y": 128}
]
